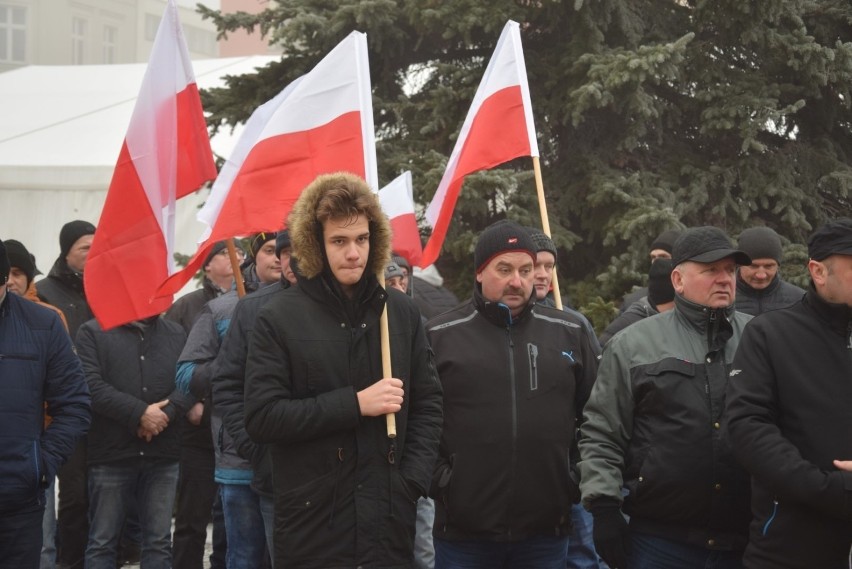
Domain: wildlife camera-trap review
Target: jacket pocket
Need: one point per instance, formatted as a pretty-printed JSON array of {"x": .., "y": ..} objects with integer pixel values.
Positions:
[{"x": 20, "y": 470}]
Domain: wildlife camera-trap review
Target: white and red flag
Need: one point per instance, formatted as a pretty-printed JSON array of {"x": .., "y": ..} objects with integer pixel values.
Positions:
[
  {"x": 321, "y": 123},
  {"x": 499, "y": 127},
  {"x": 165, "y": 156},
  {"x": 397, "y": 199}
]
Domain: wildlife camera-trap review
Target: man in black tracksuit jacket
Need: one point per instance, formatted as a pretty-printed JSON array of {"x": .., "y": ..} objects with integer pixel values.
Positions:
[
  {"x": 345, "y": 493},
  {"x": 515, "y": 377},
  {"x": 790, "y": 417}
]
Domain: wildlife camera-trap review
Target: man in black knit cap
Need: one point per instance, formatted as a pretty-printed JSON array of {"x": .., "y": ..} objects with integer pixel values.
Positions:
[
  {"x": 515, "y": 376},
  {"x": 759, "y": 285},
  {"x": 63, "y": 288},
  {"x": 660, "y": 299},
  {"x": 660, "y": 248}
]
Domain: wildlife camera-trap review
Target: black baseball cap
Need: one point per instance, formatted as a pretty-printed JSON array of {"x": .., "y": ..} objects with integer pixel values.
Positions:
[{"x": 706, "y": 245}]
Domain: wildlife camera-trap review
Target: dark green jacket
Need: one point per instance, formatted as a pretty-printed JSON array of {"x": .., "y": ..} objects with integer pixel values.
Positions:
[{"x": 654, "y": 426}]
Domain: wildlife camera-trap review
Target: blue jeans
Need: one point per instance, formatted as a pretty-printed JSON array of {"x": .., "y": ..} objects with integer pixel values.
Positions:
[
  {"x": 244, "y": 526},
  {"x": 581, "y": 545},
  {"x": 651, "y": 552},
  {"x": 539, "y": 552},
  {"x": 112, "y": 489},
  {"x": 20, "y": 537},
  {"x": 48, "y": 528},
  {"x": 267, "y": 512}
]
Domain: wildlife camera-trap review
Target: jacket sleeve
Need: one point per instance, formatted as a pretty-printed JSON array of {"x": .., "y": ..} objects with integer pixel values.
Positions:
[
  {"x": 229, "y": 383},
  {"x": 106, "y": 399},
  {"x": 272, "y": 414},
  {"x": 607, "y": 427},
  {"x": 195, "y": 364},
  {"x": 68, "y": 400},
  {"x": 425, "y": 411},
  {"x": 759, "y": 444}
]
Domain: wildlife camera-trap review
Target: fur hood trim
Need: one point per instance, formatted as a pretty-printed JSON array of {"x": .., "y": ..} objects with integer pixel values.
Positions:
[{"x": 305, "y": 229}]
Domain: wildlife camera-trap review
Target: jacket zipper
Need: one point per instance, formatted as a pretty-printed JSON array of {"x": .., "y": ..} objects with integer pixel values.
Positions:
[
  {"x": 514, "y": 395},
  {"x": 533, "y": 352}
]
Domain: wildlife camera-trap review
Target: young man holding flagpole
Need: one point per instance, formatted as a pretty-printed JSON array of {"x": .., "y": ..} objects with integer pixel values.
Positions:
[{"x": 315, "y": 390}]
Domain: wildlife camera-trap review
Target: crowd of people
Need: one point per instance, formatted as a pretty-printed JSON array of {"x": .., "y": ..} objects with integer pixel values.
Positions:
[{"x": 712, "y": 429}]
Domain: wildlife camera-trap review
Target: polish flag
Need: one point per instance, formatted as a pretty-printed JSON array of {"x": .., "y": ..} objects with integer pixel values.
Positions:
[
  {"x": 397, "y": 200},
  {"x": 319, "y": 124},
  {"x": 165, "y": 156},
  {"x": 499, "y": 127}
]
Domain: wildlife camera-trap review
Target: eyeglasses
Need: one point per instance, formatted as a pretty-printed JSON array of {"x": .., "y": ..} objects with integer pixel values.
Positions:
[{"x": 240, "y": 253}]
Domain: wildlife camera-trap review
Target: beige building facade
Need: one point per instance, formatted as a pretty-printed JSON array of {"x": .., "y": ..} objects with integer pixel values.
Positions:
[{"x": 87, "y": 32}]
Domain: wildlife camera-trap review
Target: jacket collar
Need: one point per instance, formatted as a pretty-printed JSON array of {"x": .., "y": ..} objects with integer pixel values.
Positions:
[
  {"x": 498, "y": 313},
  {"x": 749, "y": 290},
  {"x": 715, "y": 323},
  {"x": 369, "y": 296},
  {"x": 64, "y": 274},
  {"x": 838, "y": 317}
]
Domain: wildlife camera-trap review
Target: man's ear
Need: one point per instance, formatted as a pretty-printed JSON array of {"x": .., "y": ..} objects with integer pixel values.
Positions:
[
  {"x": 677, "y": 281},
  {"x": 818, "y": 271}
]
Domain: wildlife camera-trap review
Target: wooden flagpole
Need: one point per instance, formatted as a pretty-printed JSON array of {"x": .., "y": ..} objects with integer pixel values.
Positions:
[
  {"x": 387, "y": 370},
  {"x": 545, "y": 224},
  {"x": 235, "y": 265}
]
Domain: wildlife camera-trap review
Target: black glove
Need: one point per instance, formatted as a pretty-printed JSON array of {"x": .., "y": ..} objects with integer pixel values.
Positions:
[{"x": 612, "y": 541}]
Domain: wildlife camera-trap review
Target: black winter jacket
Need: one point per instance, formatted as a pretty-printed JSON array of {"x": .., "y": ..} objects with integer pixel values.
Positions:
[
  {"x": 128, "y": 368},
  {"x": 345, "y": 494},
  {"x": 229, "y": 383},
  {"x": 513, "y": 389},
  {"x": 185, "y": 311},
  {"x": 790, "y": 416},
  {"x": 63, "y": 288},
  {"x": 779, "y": 294},
  {"x": 37, "y": 365},
  {"x": 637, "y": 311}
]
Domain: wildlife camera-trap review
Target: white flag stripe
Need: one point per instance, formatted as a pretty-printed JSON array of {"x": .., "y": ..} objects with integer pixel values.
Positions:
[
  {"x": 153, "y": 124},
  {"x": 397, "y": 198},
  {"x": 339, "y": 84},
  {"x": 505, "y": 69}
]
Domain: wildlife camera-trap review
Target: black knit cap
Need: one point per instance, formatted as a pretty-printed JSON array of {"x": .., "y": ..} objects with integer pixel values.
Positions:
[
  {"x": 833, "y": 238},
  {"x": 20, "y": 258},
  {"x": 542, "y": 241},
  {"x": 4, "y": 264},
  {"x": 665, "y": 240},
  {"x": 71, "y": 232},
  {"x": 502, "y": 237},
  {"x": 760, "y": 243},
  {"x": 705, "y": 245},
  {"x": 217, "y": 248},
  {"x": 282, "y": 241},
  {"x": 660, "y": 288},
  {"x": 259, "y": 239}
]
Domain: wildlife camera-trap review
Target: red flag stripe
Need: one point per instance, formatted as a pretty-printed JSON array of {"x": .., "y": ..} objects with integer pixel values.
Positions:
[{"x": 485, "y": 147}]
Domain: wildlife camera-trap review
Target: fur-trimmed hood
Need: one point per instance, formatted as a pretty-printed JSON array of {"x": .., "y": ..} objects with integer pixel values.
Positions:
[{"x": 305, "y": 228}]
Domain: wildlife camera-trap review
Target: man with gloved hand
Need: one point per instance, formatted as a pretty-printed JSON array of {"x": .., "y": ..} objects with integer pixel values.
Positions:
[{"x": 654, "y": 426}]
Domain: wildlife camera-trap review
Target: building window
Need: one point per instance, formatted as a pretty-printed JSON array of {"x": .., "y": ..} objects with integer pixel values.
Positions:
[
  {"x": 79, "y": 31},
  {"x": 151, "y": 24},
  {"x": 13, "y": 33},
  {"x": 110, "y": 35},
  {"x": 200, "y": 41}
]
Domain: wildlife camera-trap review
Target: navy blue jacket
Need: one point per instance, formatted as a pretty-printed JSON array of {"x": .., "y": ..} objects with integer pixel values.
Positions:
[{"x": 37, "y": 365}]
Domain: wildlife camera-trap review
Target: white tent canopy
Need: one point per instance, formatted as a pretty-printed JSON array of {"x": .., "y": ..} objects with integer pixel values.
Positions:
[{"x": 62, "y": 130}]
